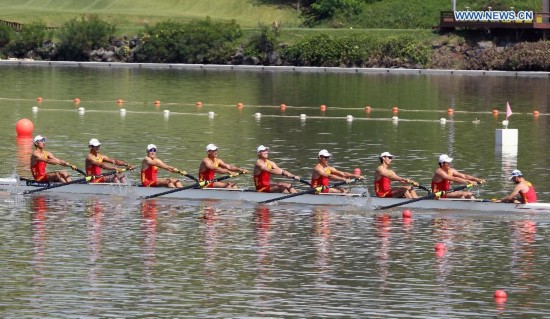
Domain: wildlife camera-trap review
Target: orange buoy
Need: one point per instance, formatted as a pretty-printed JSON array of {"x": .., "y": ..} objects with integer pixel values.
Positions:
[
  {"x": 157, "y": 102},
  {"x": 323, "y": 107},
  {"x": 24, "y": 128},
  {"x": 395, "y": 109},
  {"x": 368, "y": 109},
  {"x": 408, "y": 214},
  {"x": 536, "y": 113},
  {"x": 495, "y": 112},
  {"x": 76, "y": 100},
  {"x": 450, "y": 110},
  {"x": 356, "y": 171},
  {"x": 119, "y": 101},
  {"x": 198, "y": 104},
  {"x": 39, "y": 99},
  {"x": 240, "y": 105},
  {"x": 282, "y": 107}
]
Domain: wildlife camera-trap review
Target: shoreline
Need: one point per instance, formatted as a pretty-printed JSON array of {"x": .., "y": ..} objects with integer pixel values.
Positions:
[{"x": 260, "y": 68}]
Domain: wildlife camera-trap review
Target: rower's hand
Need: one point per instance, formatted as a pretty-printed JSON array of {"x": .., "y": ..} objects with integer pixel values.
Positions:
[
  {"x": 482, "y": 181},
  {"x": 130, "y": 167},
  {"x": 360, "y": 178},
  {"x": 348, "y": 181},
  {"x": 473, "y": 183},
  {"x": 73, "y": 167},
  {"x": 244, "y": 171},
  {"x": 413, "y": 183},
  {"x": 296, "y": 178}
]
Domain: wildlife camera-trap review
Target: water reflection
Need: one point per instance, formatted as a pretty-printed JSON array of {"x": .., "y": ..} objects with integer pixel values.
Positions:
[
  {"x": 149, "y": 228},
  {"x": 38, "y": 209},
  {"x": 24, "y": 152},
  {"x": 94, "y": 213},
  {"x": 383, "y": 225},
  {"x": 211, "y": 238},
  {"x": 264, "y": 260},
  {"x": 323, "y": 247}
]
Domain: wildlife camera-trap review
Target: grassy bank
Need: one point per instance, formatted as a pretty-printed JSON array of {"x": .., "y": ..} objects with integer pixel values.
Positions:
[{"x": 132, "y": 15}]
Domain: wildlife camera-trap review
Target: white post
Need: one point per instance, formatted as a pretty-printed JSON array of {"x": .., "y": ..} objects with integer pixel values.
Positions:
[{"x": 454, "y": 5}]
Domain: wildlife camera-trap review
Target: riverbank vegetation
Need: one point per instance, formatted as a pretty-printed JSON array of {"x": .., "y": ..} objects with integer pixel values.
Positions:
[{"x": 334, "y": 40}]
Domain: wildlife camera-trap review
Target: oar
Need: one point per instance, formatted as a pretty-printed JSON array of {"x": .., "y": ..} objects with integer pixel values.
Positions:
[
  {"x": 74, "y": 168},
  {"x": 305, "y": 182},
  {"x": 184, "y": 173},
  {"x": 198, "y": 184},
  {"x": 429, "y": 196},
  {"x": 317, "y": 189},
  {"x": 415, "y": 184},
  {"x": 76, "y": 181}
]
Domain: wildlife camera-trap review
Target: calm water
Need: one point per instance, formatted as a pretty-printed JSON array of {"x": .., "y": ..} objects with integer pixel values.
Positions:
[{"x": 114, "y": 257}]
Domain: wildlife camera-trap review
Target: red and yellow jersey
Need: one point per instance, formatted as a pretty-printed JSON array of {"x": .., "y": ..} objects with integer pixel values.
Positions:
[
  {"x": 321, "y": 181},
  {"x": 149, "y": 176},
  {"x": 382, "y": 187},
  {"x": 262, "y": 180},
  {"x": 530, "y": 196},
  {"x": 208, "y": 174},
  {"x": 95, "y": 170},
  {"x": 39, "y": 169}
]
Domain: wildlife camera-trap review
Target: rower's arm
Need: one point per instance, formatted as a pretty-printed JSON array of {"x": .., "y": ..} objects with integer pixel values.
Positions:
[
  {"x": 513, "y": 195},
  {"x": 91, "y": 160},
  {"x": 53, "y": 160}
]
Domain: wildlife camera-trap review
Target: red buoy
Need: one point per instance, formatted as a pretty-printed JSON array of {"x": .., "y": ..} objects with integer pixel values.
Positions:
[
  {"x": 440, "y": 247},
  {"x": 500, "y": 293},
  {"x": 357, "y": 171},
  {"x": 24, "y": 128},
  {"x": 323, "y": 107},
  {"x": 283, "y": 107},
  {"x": 395, "y": 109},
  {"x": 408, "y": 214}
]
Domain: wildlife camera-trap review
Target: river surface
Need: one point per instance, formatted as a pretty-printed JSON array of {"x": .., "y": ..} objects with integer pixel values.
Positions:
[{"x": 68, "y": 257}]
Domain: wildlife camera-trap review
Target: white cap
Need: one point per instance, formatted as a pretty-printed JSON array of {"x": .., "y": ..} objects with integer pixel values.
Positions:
[
  {"x": 262, "y": 148},
  {"x": 516, "y": 173},
  {"x": 151, "y": 146},
  {"x": 38, "y": 138},
  {"x": 94, "y": 142},
  {"x": 445, "y": 159},
  {"x": 324, "y": 153},
  {"x": 386, "y": 154},
  {"x": 211, "y": 147}
]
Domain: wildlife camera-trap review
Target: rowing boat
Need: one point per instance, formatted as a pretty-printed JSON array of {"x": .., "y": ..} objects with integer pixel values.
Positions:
[{"x": 358, "y": 197}]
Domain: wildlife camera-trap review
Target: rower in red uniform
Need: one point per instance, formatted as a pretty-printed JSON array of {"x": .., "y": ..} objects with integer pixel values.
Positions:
[
  {"x": 323, "y": 173},
  {"x": 149, "y": 169},
  {"x": 524, "y": 192},
  {"x": 262, "y": 174},
  {"x": 383, "y": 176},
  {"x": 40, "y": 157},
  {"x": 96, "y": 161},
  {"x": 445, "y": 174},
  {"x": 211, "y": 165}
]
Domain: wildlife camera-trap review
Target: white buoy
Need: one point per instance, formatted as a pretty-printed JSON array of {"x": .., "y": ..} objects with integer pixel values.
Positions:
[
  {"x": 302, "y": 116},
  {"x": 210, "y": 115},
  {"x": 442, "y": 121},
  {"x": 122, "y": 112},
  {"x": 349, "y": 118},
  {"x": 35, "y": 109},
  {"x": 258, "y": 115},
  {"x": 395, "y": 119},
  {"x": 505, "y": 123},
  {"x": 81, "y": 110},
  {"x": 166, "y": 113}
]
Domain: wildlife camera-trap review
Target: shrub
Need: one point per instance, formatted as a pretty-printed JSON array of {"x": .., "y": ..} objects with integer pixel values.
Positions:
[
  {"x": 31, "y": 37},
  {"x": 263, "y": 42},
  {"x": 78, "y": 37},
  {"x": 6, "y": 34},
  {"x": 200, "y": 41}
]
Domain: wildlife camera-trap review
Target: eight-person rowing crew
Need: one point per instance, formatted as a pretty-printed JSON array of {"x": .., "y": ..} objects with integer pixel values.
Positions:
[{"x": 322, "y": 174}]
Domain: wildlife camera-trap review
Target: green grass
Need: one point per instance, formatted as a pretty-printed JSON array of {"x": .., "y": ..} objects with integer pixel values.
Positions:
[{"x": 134, "y": 14}]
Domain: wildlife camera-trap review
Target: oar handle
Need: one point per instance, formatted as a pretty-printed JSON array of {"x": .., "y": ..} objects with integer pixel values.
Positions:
[
  {"x": 416, "y": 184},
  {"x": 305, "y": 182},
  {"x": 200, "y": 184}
]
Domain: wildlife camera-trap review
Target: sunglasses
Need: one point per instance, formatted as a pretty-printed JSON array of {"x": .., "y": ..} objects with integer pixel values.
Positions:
[
  {"x": 41, "y": 141},
  {"x": 390, "y": 157},
  {"x": 153, "y": 150},
  {"x": 325, "y": 157}
]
